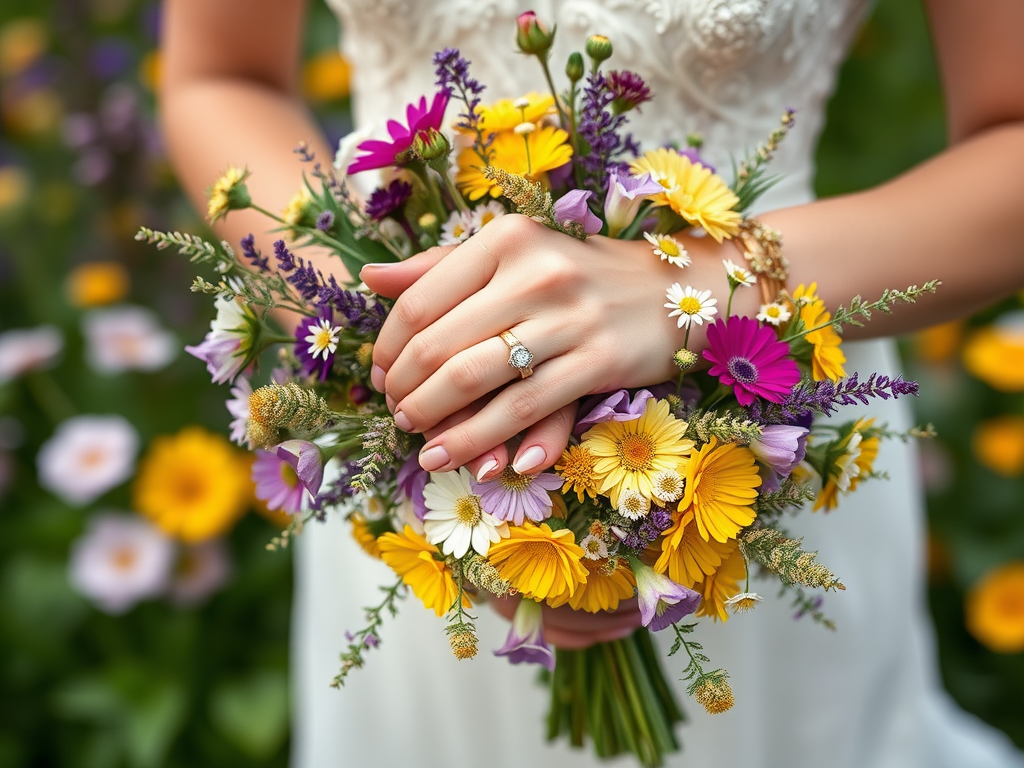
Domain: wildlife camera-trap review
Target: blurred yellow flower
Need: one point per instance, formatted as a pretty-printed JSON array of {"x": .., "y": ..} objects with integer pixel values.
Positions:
[
  {"x": 13, "y": 188},
  {"x": 995, "y": 609},
  {"x": 939, "y": 343},
  {"x": 326, "y": 77},
  {"x": 96, "y": 284},
  {"x": 33, "y": 113},
  {"x": 22, "y": 41},
  {"x": 996, "y": 356},
  {"x": 999, "y": 444},
  {"x": 193, "y": 485},
  {"x": 150, "y": 70}
]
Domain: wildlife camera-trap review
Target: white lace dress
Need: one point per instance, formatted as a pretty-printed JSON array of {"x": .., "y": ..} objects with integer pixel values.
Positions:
[{"x": 865, "y": 696}]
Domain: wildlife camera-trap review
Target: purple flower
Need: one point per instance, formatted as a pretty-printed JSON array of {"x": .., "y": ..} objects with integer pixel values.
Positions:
[
  {"x": 252, "y": 253},
  {"x": 599, "y": 128},
  {"x": 238, "y": 407},
  {"x": 277, "y": 483},
  {"x": 316, "y": 344},
  {"x": 625, "y": 193},
  {"x": 662, "y": 601},
  {"x": 306, "y": 459},
  {"x": 325, "y": 221},
  {"x": 628, "y": 89},
  {"x": 512, "y": 496},
  {"x": 572, "y": 208},
  {"x": 525, "y": 641},
  {"x": 749, "y": 357},
  {"x": 694, "y": 156},
  {"x": 380, "y": 154},
  {"x": 614, "y": 407},
  {"x": 412, "y": 479},
  {"x": 388, "y": 200},
  {"x": 230, "y": 345},
  {"x": 202, "y": 569},
  {"x": 781, "y": 447}
]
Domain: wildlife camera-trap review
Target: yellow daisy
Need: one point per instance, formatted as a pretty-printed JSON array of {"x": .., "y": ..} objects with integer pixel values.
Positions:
[
  {"x": 722, "y": 584},
  {"x": 505, "y": 114},
  {"x": 193, "y": 485},
  {"x": 430, "y": 579},
  {"x": 228, "y": 194},
  {"x": 685, "y": 556},
  {"x": 607, "y": 585},
  {"x": 577, "y": 469},
  {"x": 721, "y": 485},
  {"x": 541, "y": 563},
  {"x": 364, "y": 536},
  {"x": 548, "y": 149},
  {"x": 699, "y": 196},
  {"x": 631, "y": 453},
  {"x": 827, "y": 357}
]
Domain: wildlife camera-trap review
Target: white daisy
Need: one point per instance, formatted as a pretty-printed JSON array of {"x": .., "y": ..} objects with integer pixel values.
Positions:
[
  {"x": 323, "y": 339},
  {"x": 126, "y": 339},
  {"x": 774, "y": 313},
  {"x": 457, "y": 229},
  {"x": 633, "y": 505},
  {"x": 739, "y": 275},
  {"x": 485, "y": 214},
  {"x": 86, "y": 457},
  {"x": 668, "y": 485},
  {"x": 454, "y": 519},
  {"x": 669, "y": 249},
  {"x": 594, "y": 547},
  {"x": 524, "y": 129},
  {"x": 691, "y": 305},
  {"x": 847, "y": 463},
  {"x": 744, "y": 601}
]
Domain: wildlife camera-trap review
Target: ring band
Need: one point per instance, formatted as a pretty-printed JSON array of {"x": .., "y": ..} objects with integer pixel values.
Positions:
[{"x": 519, "y": 357}]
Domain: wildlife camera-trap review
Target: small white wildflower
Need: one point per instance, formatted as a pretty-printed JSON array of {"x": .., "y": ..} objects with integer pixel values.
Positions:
[
  {"x": 739, "y": 275},
  {"x": 668, "y": 249},
  {"x": 691, "y": 305},
  {"x": 774, "y": 313},
  {"x": 633, "y": 505}
]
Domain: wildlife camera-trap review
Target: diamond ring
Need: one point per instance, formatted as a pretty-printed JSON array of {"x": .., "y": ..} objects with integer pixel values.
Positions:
[{"x": 519, "y": 357}]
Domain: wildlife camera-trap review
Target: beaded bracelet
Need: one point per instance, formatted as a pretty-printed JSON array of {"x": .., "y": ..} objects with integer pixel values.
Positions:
[{"x": 761, "y": 246}]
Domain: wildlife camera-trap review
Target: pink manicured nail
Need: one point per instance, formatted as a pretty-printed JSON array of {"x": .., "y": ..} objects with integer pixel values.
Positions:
[
  {"x": 488, "y": 466},
  {"x": 529, "y": 459},
  {"x": 434, "y": 458},
  {"x": 403, "y": 423},
  {"x": 377, "y": 376}
]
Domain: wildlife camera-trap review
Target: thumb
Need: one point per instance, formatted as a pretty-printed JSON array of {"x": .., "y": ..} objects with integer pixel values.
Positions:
[{"x": 391, "y": 279}]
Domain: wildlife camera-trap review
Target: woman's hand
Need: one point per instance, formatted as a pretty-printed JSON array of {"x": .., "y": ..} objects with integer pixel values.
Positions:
[
  {"x": 572, "y": 630},
  {"x": 591, "y": 313}
]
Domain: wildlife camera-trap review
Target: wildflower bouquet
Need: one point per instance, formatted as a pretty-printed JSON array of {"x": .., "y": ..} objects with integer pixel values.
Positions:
[{"x": 671, "y": 494}]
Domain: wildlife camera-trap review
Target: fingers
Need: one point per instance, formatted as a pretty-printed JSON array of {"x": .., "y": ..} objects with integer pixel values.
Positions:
[
  {"x": 485, "y": 466},
  {"x": 391, "y": 279},
  {"x": 566, "y": 628},
  {"x": 544, "y": 442}
]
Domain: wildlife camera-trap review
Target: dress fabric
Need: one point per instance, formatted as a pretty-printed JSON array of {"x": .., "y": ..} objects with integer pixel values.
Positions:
[{"x": 864, "y": 696}]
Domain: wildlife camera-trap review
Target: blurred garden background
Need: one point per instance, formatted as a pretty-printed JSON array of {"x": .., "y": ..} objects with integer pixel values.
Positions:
[{"x": 121, "y": 645}]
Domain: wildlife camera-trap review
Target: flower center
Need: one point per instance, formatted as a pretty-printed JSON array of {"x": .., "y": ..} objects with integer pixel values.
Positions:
[
  {"x": 123, "y": 558},
  {"x": 741, "y": 369},
  {"x": 487, "y": 218},
  {"x": 689, "y": 305},
  {"x": 636, "y": 452},
  {"x": 467, "y": 510},
  {"x": 288, "y": 475},
  {"x": 92, "y": 457},
  {"x": 668, "y": 247},
  {"x": 513, "y": 481},
  {"x": 772, "y": 311}
]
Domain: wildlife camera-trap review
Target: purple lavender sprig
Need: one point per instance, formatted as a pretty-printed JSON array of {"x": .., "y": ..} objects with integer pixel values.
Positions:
[
  {"x": 452, "y": 72},
  {"x": 654, "y": 524},
  {"x": 827, "y": 397},
  {"x": 249, "y": 251},
  {"x": 599, "y": 128}
]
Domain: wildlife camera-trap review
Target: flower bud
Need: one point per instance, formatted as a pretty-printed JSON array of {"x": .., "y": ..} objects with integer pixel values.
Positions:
[
  {"x": 599, "y": 48},
  {"x": 574, "y": 67},
  {"x": 685, "y": 360},
  {"x": 432, "y": 148},
  {"x": 532, "y": 37}
]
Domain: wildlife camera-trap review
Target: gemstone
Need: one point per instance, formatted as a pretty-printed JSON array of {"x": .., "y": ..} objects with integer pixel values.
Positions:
[{"x": 520, "y": 357}]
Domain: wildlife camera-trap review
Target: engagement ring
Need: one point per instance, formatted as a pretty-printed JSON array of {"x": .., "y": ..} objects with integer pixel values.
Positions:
[{"x": 519, "y": 357}]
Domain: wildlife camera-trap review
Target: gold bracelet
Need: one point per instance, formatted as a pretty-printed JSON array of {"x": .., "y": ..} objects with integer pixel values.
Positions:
[{"x": 761, "y": 246}]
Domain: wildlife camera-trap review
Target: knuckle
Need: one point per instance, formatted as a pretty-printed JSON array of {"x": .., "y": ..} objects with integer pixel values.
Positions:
[
  {"x": 466, "y": 374},
  {"x": 523, "y": 405},
  {"x": 411, "y": 310},
  {"x": 425, "y": 351}
]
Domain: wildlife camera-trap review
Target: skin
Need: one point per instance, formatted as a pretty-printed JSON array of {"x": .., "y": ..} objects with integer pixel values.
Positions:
[{"x": 592, "y": 312}]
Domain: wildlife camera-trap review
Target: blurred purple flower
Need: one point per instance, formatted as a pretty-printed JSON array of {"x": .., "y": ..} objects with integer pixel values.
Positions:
[
  {"x": 525, "y": 641},
  {"x": 202, "y": 570},
  {"x": 86, "y": 457}
]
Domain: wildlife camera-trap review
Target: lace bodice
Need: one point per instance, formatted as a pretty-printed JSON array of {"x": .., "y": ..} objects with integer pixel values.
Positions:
[{"x": 723, "y": 68}]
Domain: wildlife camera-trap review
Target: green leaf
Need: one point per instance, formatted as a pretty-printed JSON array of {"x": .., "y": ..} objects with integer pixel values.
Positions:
[{"x": 253, "y": 713}]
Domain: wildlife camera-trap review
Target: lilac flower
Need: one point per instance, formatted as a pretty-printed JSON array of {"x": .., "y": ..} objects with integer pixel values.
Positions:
[
  {"x": 657, "y": 521},
  {"x": 572, "y": 208},
  {"x": 625, "y": 194},
  {"x": 277, "y": 483},
  {"x": 628, "y": 90},
  {"x": 750, "y": 358},
  {"x": 126, "y": 338},
  {"x": 826, "y": 396},
  {"x": 614, "y": 407},
  {"x": 781, "y": 447},
  {"x": 120, "y": 560},
  {"x": 380, "y": 154},
  {"x": 307, "y": 460},
  {"x": 525, "y": 641},
  {"x": 412, "y": 479},
  {"x": 452, "y": 72},
  {"x": 512, "y": 497},
  {"x": 389, "y": 200},
  {"x": 86, "y": 457},
  {"x": 662, "y": 601},
  {"x": 229, "y": 346},
  {"x": 238, "y": 406},
  {"x": 202, "y": 569}
]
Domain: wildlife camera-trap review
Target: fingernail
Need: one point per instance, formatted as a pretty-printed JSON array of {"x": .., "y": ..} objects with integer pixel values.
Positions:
[
  {"x": 529, "y": 459},
  {"x": 378, "y": 265},
  {"x": 488, "y": 466},
  {"x": 391, "y": 403},
  {"x": 403, "y": 423},
  {"x": 377, "y": 377},
  {"x": 434, "y": 458}
]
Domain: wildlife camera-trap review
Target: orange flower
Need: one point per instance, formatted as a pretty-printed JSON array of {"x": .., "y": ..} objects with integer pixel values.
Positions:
[{"x": 995, "y": 609}]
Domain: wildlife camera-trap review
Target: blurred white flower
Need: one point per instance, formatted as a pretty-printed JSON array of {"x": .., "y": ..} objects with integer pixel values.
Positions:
[
  {"x": 120, "y": 560},
  {"x": 126, "y": 339},
  {"x": 87, "y": 456},
  {"x": 238, "y": 406},
  {"x": 202, "y": 569},
  {"x": 28, "y": 349}
]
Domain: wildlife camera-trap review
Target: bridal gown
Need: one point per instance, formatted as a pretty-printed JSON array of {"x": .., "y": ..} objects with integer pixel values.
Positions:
[{"x": 864, "y": 696}]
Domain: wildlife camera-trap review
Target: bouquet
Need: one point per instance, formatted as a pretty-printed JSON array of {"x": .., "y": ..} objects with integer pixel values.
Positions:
[{"x": 675, "y": 494}]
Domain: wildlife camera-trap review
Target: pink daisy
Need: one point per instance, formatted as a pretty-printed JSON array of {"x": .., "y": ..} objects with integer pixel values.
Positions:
[
  {"x": 380, "y": 154},
  {"x": 749, "y": 357}
]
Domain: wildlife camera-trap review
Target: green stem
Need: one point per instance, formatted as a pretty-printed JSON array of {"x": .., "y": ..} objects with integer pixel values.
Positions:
[
  {"x": 454, "y": 191},
  {"x": 317, "y": 235},
  {"x": 562, "y": 119}
]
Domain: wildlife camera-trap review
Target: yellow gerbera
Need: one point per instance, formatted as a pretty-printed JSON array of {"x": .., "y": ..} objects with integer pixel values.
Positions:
[
  {"x": 430, "y": 579},
  {"x": 364, "y": 536},
  {"x": 541, "y": 563},
  {"x": 630, "y": 453},
  {"x": 685, "y": 556},
  {"x": 192, "y": 485},
  {"x": 869, "y": 445},
  {"x": 576, "y": 467},
  {"x": 827, "y": 357},
  {"x": 848, "y": 464},
  {"x": 701, "y": 197},
  {"x": 722, "y": 584},
  {"x": 504, "y": 115},
  {"x": 548, "y": 149},
  {"x": 607, "y": 585},
  {"x": 721, "y": 485}
]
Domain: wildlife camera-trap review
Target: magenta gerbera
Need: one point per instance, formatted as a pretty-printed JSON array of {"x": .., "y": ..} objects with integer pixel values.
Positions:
[
  {"x": 748, "y": 357},
  {"x": 380, "y": 154},
  {"x": 512, "y": 496}
]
